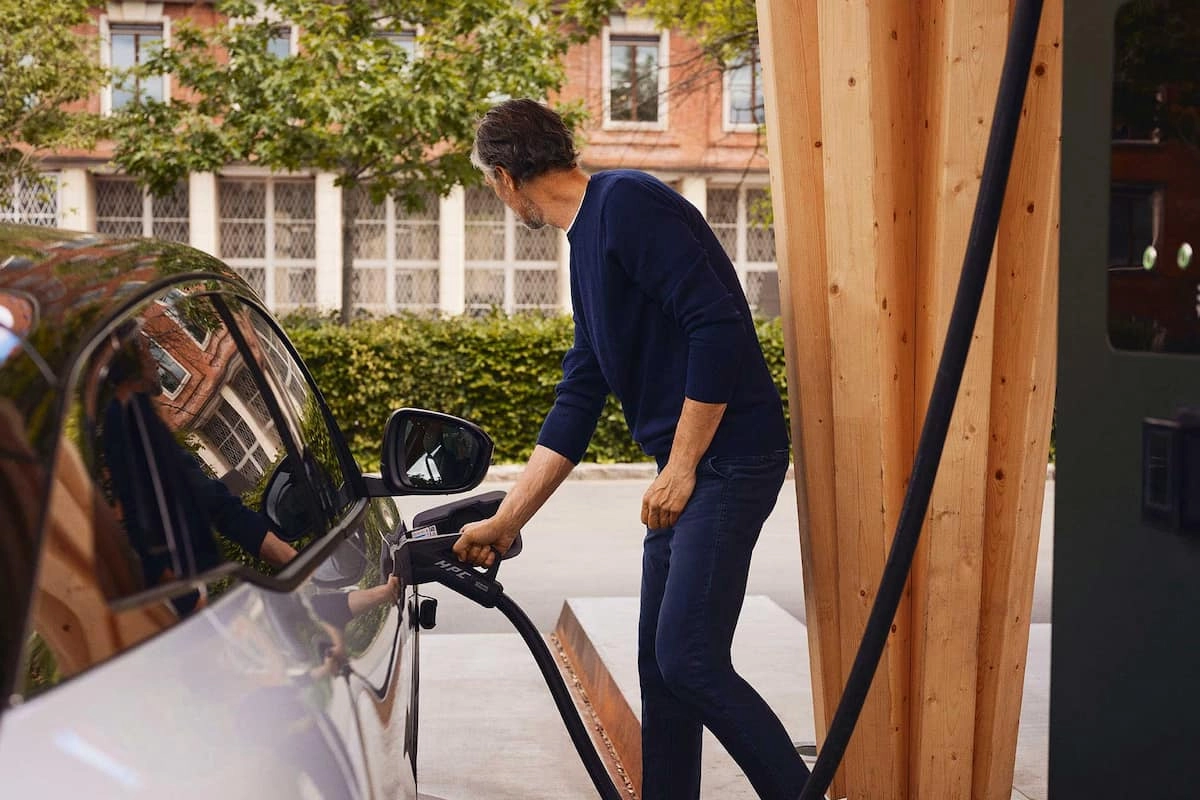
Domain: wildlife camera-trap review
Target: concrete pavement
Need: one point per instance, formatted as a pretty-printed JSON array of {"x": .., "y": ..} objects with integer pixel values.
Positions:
[
  {"x": 489, "y": 730},
  {"x": 587, "y": 542}
]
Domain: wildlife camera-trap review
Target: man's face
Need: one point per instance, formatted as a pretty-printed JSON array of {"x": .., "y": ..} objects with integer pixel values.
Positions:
[{"x": 527, "y": 211}]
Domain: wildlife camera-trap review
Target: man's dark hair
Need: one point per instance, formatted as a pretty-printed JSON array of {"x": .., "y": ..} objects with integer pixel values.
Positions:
[{"x": 525, "y": 138}]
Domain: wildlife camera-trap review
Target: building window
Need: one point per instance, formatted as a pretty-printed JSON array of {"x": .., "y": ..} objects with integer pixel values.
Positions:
[
  {"x": 129, "y": 47},
  {"x": 395, "y": 253},
  {"x": 1134, "y": 223},
  {"x": 124, "y": 209},
  {"x": 33, "y": 202},
  {"x": 744, "y": 93},
  {"x": 226, "y": 432},
  {"x": 508, "y": 266},
  {"x": 406, "y": 40},
  {"x": 267, "y": 230},
  {"x": 171, "y": 373},
  {"x": 737, "y": 216},
  {"x": 171, "y": 302},
  {"x": 635, "y": 75},
  {"x": 280, "y": 43},
  {"x": 247, "y": 392}
]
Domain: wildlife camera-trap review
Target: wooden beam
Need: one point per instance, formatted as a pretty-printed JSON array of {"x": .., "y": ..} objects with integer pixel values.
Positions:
[
  {"x": 788, "y": 35},
  {"x": 959, "y": 79},
  {"x": 1022, "y": 405},
  {"x": 868, "y": 181}
]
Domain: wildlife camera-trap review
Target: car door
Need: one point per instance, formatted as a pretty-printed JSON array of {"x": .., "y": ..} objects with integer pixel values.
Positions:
[
  {"x": 378, "y": 617},
  {"x": 167, "y": 667}
]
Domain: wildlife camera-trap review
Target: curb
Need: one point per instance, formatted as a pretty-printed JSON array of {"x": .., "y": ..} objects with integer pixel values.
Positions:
[
  {"x": 584, "y": 472},
  {"x": 642, "y": 470}
]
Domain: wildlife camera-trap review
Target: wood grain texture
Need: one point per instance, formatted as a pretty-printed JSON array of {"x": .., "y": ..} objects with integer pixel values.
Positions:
[{"x": 1022, "y": 396}]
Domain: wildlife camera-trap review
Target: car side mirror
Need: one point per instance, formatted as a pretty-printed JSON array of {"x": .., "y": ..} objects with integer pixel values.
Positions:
[
  {"x": 287, "y": 504},
  {"x": 427, "y": 452}
]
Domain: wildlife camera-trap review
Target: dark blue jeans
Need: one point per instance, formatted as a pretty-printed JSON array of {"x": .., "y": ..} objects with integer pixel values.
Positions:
[{"x": 693, "y": 584}]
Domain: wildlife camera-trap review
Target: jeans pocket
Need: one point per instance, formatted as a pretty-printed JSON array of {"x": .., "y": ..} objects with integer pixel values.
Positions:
[{"x": 734, "y": 468}]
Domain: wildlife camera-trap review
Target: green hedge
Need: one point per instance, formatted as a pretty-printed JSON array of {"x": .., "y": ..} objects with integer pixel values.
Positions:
[{"x": 496, "y": 371}]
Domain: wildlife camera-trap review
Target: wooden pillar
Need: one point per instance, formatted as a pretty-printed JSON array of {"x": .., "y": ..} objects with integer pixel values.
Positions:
[
  {"x": 794, "y": 140},
  {"x": 963, "y": 49},
  {"x": 1022, "y": 395},
  {"x": 877, "y": 118},
  {"x": 839, "y": 135}
]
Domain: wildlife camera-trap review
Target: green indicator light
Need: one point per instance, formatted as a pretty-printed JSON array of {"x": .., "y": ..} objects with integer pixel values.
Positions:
[
  {"x": 1149, "y": 257},
  {"x": 1184, "y": 258}
]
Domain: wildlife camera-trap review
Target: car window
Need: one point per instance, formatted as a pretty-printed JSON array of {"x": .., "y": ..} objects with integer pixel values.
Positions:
[
  {"x": 168, "y": 450},
  {"x": 343, "y": 585},
  {"x": 330, "y": 467}
]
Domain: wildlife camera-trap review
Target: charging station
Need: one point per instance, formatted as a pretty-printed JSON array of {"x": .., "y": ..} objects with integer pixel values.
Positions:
[{"x": 1124, "y": 703}]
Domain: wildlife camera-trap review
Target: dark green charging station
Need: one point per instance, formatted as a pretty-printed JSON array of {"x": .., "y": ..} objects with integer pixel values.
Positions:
[{"x": 1125, "y": 670}]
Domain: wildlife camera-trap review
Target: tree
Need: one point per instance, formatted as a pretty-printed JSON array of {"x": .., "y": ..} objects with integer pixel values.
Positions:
[
  {"x": 726, "y": 30},
  {"x": 383, "y": 94},
  {"x": 48, "y": 68},
  {"x": 727, "y": 33}
]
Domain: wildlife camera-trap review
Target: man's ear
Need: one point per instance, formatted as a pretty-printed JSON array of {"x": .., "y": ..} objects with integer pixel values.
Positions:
[{"x": 504, "y": 177}]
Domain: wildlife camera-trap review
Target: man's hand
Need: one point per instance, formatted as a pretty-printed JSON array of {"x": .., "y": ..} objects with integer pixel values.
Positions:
[
  {"x": 480, "y": 541},
  {"x": 666, "y": 498}
]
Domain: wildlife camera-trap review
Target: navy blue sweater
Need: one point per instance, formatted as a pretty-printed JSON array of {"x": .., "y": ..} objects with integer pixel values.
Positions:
[{"x": 659, "y": 316}]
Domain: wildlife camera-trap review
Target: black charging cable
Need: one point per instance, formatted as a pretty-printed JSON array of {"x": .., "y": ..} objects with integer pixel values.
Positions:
[
  {"x": 605, "y": 787},
  {"x": 1001, "y": 142}
]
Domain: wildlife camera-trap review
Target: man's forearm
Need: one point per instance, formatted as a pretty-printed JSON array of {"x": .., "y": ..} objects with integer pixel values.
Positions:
[
  {"x": 543, "y": 473},
  {"x": 694, "y": 432},
  {"x": 276, "y": 551}
]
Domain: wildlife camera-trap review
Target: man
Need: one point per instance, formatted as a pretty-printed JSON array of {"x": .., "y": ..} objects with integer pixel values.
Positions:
[
  {"x": 200, "y": 501},
  {"x": 661, "y": 321}
]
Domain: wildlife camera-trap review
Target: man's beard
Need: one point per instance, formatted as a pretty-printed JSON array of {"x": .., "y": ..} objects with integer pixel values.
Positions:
[{"x": 531, "y": 216}]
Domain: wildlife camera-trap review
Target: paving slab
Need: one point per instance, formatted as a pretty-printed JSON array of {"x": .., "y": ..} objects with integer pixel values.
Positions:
[{"x": 488, "y": 728}]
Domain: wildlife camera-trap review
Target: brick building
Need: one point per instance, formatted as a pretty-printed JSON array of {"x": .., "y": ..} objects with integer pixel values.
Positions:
[{"x": 655, "y": 105}]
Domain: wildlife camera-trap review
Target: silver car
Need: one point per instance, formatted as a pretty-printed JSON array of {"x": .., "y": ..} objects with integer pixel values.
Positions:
[{"x": 201, "y": 594}]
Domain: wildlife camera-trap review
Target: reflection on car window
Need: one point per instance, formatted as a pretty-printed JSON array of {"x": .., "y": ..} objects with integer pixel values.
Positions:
[
  {"x": 303, "y": 409},
  {"x": 168, "y": 451}
]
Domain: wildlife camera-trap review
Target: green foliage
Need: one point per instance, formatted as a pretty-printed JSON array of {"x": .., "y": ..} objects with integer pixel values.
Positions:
[
  {"x": 497, "y": 371},
  {"x": 351, "y": 101},
  {"x": 725, "y": 29},
  {"x": 46, "y": 66},
  {"x": 41, "y": 669}
]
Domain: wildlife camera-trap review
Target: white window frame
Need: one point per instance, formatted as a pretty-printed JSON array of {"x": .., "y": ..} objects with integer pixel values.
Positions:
[
  {"x": 293, "y": 37},
  {"x": 740, "y": 260},
  {"x": 263, "y": 13},
  {"x": 183, "y": 381},
  {"x": 386, "y": 31},
  {"x": 16, "y": 213},
  {"x": 727, "y": 123},
  {"x": 510, "y": 264},
  {"x": 210, "y": 449},
  {"x": 105, "y": 26},
  {"x": 172, "y": 312},
  {"x": 269, "y": 263},
  {"x": 391, "y": 264},
  {"x": 147, "y": 216},
  {"x": 640, "y": 27}
]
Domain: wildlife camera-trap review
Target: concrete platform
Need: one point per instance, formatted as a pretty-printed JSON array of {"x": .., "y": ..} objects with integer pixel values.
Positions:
[
  {"x": 770, "y": 650},
  {"x": 489, "y": 730}
]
